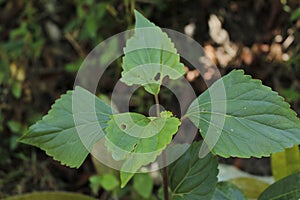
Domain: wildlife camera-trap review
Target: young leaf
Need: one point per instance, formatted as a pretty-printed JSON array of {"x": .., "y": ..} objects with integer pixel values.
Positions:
[
  {"x": 191, "y": 177},
  {"x": 143, "y": 185},
  {"x": 108, "y": 182},
  {"x": 59, "y": 135},
  {"x": 138, "y": 140},
  {"x": 228, "y": 191},
  {"x": 95, "y": 183},
  {"x": 149, "y": 57},
  {"x": 284, "y": 189},
  {"x": 257, "y": 121}
]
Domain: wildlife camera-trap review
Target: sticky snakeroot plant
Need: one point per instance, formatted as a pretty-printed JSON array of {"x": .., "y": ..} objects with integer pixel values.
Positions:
[{"x": 257, "y": 122}]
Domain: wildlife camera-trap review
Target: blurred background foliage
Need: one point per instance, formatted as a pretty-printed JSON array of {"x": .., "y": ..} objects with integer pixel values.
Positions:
[{"x": 43, "y": 42}]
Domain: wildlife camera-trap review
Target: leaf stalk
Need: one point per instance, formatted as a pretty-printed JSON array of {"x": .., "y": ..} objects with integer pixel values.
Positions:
[{"x": 164, "y": 157}]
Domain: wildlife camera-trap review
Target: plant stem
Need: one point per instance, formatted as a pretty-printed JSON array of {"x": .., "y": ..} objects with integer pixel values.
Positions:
[
  {"x": 183, "y": 117},
  {"x": 164, "y": 157},
  {"x": 157, "y": 104},
  {"x": 165, "y": 175}
]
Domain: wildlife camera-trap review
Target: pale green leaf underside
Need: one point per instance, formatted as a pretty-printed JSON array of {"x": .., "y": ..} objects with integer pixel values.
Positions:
[
  {"x": 132, "y": 139},
  {"x": 257, "y": 120},
  {"x": 57, "y": 133},
  {"x": 284, "y": 189},
  {"x": 193, "y": 178},
  {"x": 149, "y": 57}
]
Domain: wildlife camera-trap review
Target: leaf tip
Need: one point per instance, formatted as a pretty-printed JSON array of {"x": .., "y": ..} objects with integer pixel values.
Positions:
[
  {"x": 141, "y": 21},
  {"x": 136, "y": 12},
  {"x": 125, "y": 178}
]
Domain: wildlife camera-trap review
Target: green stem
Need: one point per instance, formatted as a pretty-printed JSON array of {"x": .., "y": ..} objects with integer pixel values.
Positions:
[
  {"x": 184, "y": 117},
  {"x": 157, "y": 104},
  {"x": 164, "y": 157}
]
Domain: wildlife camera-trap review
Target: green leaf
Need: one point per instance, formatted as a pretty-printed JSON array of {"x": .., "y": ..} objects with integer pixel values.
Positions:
[
  {"x": 74, "y": 66},
  {"x": 291, "y": 94},
  {"x": 138, "y": 140},
  {"x": 59, "y": 135},
  {"x": 14, "y": 126},
  {"x": 257, "y": 122},
  {"x": 143, "y": 185},
  {"x": 51, "y": 196},
  {"x": 149, "y": 57},
  {"x": 251, "y": 187},
  {"x": 17, "y": 89},
  {"x": 107, "y": 181},
  {"x": 95, "y": 184},
  {"x": 228, "y": 191},
  {"x": 161, "y": 194},
  {"x": 284, "y": 189},
  {"x": 286, "y": 162},
  {"x": 191, "y": 177},
  {"x": 295, "y": 14}
]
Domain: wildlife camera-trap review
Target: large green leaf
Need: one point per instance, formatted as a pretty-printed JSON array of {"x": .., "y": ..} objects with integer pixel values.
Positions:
[
  {"x": 59, "y": 135},
  {"x": 228, "y": 191},
  {"x": 257, "y": 121},
  {"x": 287, "y": 188},
  {"x": 286, "y": 162},
  {"x": 191, "y": 177},
  {"x": 149, "y": 57},
  {"x": 138, "y": 140}
]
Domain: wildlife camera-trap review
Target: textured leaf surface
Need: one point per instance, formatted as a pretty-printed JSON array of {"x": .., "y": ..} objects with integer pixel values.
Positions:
[
  {"x": 228, "y": 191},
  {"x": 59, "y": 135},
  {"x": 285, "y": 189},
  {"x": 149, "y": 57},
  {"x": 138, "y": 140},
  {"x": 257, "y": 121},
  {"x": 286, "y": 162},
  {"x": 193, "y": 178}
]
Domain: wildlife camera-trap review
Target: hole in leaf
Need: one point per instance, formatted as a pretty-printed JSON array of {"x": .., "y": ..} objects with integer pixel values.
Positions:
[
  {"x": 157, "y": 77},
  {"x": 123, "y": 126}
]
